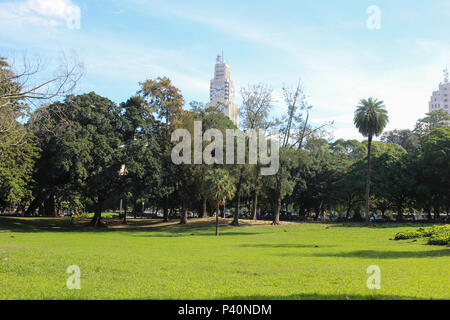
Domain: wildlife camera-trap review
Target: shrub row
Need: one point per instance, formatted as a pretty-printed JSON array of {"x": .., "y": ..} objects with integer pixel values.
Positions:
[{"x": 438, "y": 235}]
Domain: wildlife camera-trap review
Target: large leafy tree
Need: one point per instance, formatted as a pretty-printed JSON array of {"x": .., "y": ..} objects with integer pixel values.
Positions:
[
  {"x": 435, "y": 162},
  {"x": 140, "y": 151},
  {"x": 85, "y": 156},
  {"x": 433, "y": 120},
  {"x": 370, "y": 119},
  {"x": 166, "y": 102},
  {"x": 16, "y": 168},
  {"x": 404, "y": 138},
  {"x": 17, "y": 145},
  {"x": 394, "y": 181}
]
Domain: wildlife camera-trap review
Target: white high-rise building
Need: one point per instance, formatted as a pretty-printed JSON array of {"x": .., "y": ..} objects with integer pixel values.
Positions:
[
  {"x": 222, "y": 91},
  {"x": 440, "y": 98}
]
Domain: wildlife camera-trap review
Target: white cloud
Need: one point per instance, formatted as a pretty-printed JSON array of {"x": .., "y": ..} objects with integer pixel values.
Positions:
[
  {"x": 50, "y": 13},
  {"x": 338, "y": 76}
]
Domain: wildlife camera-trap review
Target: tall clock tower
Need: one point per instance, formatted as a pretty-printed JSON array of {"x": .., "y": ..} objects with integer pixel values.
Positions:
[{"x": 222, "y": 91}]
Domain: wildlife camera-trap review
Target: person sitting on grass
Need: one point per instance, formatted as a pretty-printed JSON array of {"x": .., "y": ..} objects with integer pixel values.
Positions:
[{"x": 373, "y": 218}]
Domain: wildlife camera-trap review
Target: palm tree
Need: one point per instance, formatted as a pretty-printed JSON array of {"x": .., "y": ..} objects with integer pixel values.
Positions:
[
  {"x": 370, "y": 119},
  {"x": 219, "y": 186}
]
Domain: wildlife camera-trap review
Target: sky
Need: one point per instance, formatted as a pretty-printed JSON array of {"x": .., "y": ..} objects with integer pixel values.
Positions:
[{"x": 342, "y": 51}]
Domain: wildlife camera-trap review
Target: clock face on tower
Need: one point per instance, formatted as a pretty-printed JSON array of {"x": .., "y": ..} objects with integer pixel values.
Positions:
[
  {"x": 219, "y": 91},
  {"x": 222, "y": 91}
]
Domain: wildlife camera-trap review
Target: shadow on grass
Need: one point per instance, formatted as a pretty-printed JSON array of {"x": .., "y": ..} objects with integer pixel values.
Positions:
[
  {"x": 205, "y": 234},
  {"x": 286, "y": 245},
  {"x": 374, "y": 254},
  {"x": 381, "y": 225},
  {"x": 29, "y": 225},
  {"x": 317, "y": 296},
  {"x": 171, "y": 229}
]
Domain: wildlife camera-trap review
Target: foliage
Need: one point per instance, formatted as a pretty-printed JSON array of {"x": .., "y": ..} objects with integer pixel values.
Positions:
[
  {"x": 370, "y": 119},
  {"x": 219, "y": 186},
  {"x": 433, "y": 120},
  {"x": 404, "y": 138},
  {"x": 17, "y": 146},
  {"x": 438, "y": 235}
]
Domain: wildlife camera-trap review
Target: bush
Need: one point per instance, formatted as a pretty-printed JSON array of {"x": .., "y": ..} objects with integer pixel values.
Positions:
[
  {"x": 441, "y": 237},
  {"x": 438, "y": 235},
  {"x": 408, "y": 235}
]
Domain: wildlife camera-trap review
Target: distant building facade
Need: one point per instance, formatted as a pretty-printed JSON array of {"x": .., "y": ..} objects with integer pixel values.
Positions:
[
  {"x": 440, "y": 99},
  {"x": 222, "y": 91}
]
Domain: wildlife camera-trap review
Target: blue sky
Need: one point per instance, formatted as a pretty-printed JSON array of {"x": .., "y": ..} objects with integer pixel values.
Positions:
[{"x": 324, "y": 43}]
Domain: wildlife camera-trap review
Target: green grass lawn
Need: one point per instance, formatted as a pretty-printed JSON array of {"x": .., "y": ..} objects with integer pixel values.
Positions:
[{"x": 295, "y": 261}]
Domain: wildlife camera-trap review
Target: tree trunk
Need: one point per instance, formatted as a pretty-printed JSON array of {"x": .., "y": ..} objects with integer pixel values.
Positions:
[
  {"x": 217, "y": 219},
  {"x": 224, "y": 207},
  {"x": 255, "y": 205},
  {"x": 184, "y": 216},
  {"x": 203, "y": 214},
  {"x": 96, "y": 220},
  {"x": 41, "y": 209},
  {"x": 429, "y": 217},
  {"x": 357, "y": 215},
  {"x": 33, "y": 206},
  {"x": 124, "y": 221},
  {"x": 166, "y": 209},
  {"x": 236, "y": 211},
  {"x": 49, "y": 206},
  {"x": 399, "y": 215},
  {"x": 135, "y": 209},
  {"x": 276, "y": 217},
  {"x": 369, "y": 144},
  {"x": 347, "y": 214},
  {"x": 436, "y": 214},
  {"x": 317, "y": 213}
]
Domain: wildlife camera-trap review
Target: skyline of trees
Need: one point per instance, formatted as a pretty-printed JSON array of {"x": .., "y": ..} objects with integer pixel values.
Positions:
[{"x": 75, "y": 149}]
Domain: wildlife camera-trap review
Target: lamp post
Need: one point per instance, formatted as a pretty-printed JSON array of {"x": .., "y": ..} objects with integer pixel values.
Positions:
[
  {"x": 123, "y": 172},
  {"x": 224, "y": 208}
]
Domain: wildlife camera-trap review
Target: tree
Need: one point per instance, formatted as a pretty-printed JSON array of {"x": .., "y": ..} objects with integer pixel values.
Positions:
[
  {"x": 256, "y": 105},
  {"x": 140, "y": 151},
  {"x": 85, "y": 157},
  {"x": 219, "y": 186},
  {"x": 213, "y": 118},
  {"x": 404, "y": 138},
  {"x": 295, "y": 127},
  {"x": 282, "y": 183},
  {"x": 435, "y": 161},
  {"x": 16, "y": 168},
  {"x": 20, "y": 87},
  {"x": 394, "y": 180},
  {"x": 166, "y": 101},
  {"x": 17, "y": 145},
  {"x": 433, "y": 120},
  {"x": 370, "y": 119}
]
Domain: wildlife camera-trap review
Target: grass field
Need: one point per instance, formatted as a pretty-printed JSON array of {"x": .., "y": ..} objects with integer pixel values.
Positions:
[{"x": 166, "y": 261}]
